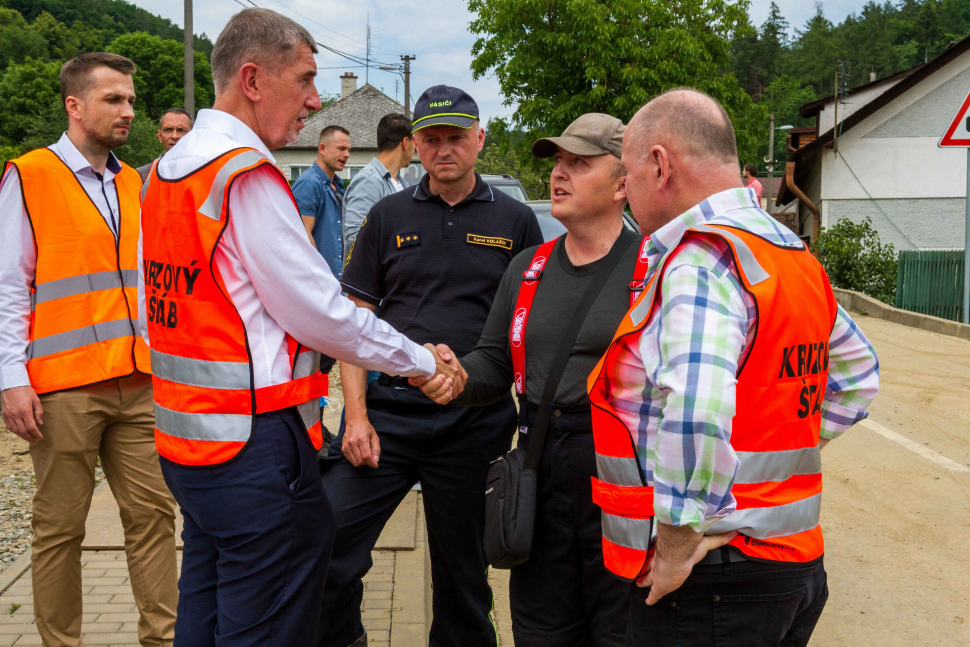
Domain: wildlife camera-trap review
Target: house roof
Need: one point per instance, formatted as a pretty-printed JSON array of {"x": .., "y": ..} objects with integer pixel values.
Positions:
[
  {"x": 358, "y": 112},
  {"x": 917, "y": 75},
  {"x": 815, "y": 107}
]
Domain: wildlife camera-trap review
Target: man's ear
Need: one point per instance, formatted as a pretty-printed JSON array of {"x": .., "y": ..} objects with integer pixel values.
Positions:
[
  {"x": 620, "y": 194},
  {"x": 73, "y": 106},
  {"x": 249, "y": 81},
  {"x": 481, "y": 139}
]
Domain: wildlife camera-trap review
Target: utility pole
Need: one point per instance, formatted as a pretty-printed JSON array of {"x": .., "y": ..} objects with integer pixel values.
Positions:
[
  {"x": 367, "y": 68},
  {"x": 407, "y": 84},
  {"x": 771, "y": 160},
  {"x": 189, "y": 64},
  {"x": 835, "y": 128}
]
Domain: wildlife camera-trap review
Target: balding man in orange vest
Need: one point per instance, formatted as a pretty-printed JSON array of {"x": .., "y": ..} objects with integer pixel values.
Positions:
[
  {"x": 74, "y": 370},
  {"x": 726, "y": 377}
]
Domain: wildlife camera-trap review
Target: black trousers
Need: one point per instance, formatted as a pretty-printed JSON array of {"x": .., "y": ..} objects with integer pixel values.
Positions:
[
  {"x": 564, "y": 596},
  {"x": 257, "y": 537},
  {"x": 449, "y": 450},
  {"x": 743, "y": 604}
]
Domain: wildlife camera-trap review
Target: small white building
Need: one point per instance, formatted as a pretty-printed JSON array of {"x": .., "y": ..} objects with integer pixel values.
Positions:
[
  {"x": 358, "y": 110},
  {"x": 883, "y": 162}
]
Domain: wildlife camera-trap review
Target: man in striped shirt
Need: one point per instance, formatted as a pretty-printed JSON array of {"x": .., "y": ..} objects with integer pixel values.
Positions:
[{"x": 674, "y": 387}]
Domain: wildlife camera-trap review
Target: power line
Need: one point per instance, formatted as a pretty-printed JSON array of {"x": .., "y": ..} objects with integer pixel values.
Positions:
[{"x": 344, "y": 36}]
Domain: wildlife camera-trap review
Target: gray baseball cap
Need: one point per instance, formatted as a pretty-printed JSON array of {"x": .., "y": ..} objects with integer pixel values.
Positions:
[{"x": 592, "y": 134}]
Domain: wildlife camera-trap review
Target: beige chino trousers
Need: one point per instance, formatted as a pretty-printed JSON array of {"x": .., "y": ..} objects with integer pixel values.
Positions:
[{"x": 113, "y": 420}]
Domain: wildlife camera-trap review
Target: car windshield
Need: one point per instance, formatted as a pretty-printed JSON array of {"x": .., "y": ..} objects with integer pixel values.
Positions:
[{"x": 512, "y": 190}]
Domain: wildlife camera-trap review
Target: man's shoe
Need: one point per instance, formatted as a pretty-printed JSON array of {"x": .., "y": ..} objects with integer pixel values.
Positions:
[{"x": 361, "y": 642}]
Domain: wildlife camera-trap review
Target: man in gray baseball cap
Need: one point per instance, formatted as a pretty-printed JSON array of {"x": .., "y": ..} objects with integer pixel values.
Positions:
[{"x": 563, "y": 595}]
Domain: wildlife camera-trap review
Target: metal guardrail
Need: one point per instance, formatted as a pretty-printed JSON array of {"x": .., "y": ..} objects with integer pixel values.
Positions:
[{"x": 931, "y": 282}]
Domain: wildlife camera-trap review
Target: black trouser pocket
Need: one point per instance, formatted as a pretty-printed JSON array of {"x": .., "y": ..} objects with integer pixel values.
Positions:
[
  {"x": 760, "y": 620},
  {"x": 286, "y": 451}
]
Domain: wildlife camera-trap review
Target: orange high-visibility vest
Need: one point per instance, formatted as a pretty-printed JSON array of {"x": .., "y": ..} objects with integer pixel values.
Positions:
[
  {"x": 205, "y": 397},
  {"x": 775, "y": 432},
  {"x": 84, "y": 299}
]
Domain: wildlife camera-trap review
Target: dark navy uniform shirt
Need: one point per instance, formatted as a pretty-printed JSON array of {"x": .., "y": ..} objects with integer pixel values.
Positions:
[{"x": 434, "y": 269}]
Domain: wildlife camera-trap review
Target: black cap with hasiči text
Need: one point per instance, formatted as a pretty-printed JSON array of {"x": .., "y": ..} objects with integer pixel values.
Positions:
[{"x": 443, "y": 105}]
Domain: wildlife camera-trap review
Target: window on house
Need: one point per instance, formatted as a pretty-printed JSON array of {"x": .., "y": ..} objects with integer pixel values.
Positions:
[
  {"x": 296, "y": 170},
  {"x": 354, "y": 169}
]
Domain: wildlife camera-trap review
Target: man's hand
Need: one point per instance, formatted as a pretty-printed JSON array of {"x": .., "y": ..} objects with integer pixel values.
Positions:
[
  {"x": 678, "y": 549},
  {"x": 361, "y": 445},
  {"x": 449, "y": 379},
  {"x": 22, "y": 412}
]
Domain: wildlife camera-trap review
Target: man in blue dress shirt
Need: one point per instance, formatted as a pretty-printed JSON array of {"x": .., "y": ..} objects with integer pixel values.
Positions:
[{"x": 319, "y": 196}]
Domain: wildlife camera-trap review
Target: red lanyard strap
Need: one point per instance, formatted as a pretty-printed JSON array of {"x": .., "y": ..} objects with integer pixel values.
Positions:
[
  {"x": 639, "y": 272},
  {"x": 523, "y": 305}
]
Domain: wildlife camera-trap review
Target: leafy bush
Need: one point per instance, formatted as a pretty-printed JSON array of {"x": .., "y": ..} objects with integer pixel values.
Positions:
[{"x": 855, "y": 259}]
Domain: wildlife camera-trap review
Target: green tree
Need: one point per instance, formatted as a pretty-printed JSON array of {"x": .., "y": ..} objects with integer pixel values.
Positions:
[
  {"x": 816, "y": 54},
  {"x": 18, "y": 41},
  {"x": 784, "y": 96},
  {"x": 62, "y": 41},
  {"x": 159, "y": 80},
  {"x": 29, "y": 96},
  {"x": 855, "y": 259},
  {"x": 558, "y": 60},
  {"x": 509, "y": 151}
]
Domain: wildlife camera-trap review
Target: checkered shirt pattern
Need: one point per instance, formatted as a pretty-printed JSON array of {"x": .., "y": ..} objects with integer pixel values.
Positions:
[{"x": 675, "y": 389}]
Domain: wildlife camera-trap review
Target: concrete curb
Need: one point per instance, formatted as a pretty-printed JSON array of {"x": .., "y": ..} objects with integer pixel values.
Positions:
[
  {"x": 14, "y": 572},
  {"x": 858, "y": 302}
]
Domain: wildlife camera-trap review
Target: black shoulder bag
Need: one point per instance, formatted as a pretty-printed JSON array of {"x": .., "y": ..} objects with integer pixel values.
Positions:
[{"x": 510, "y": 493}]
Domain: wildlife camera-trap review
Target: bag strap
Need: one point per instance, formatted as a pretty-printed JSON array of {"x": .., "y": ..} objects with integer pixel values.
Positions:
[
  {"x": 523, "y": 305},
  {"x": 534, "y": 452},
  {"x": 639, "y": 272}
]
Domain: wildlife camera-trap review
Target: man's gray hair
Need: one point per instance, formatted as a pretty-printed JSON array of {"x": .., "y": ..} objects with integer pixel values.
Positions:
[
  {"x": 691, "y": 118},
  {"x": 259, "y": 36}
]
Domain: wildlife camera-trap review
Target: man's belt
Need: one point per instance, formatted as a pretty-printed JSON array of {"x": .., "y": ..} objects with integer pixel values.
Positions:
[
  {"x": 397, "y": 381},
  {"x": 722, "y": 555}
]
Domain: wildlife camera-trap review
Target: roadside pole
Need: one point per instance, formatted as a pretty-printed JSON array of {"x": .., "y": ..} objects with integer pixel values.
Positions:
[
  {"x": 957, "y": 135},
  {"x": 966, "y": 249},
  {"x": 189, "y": 64}
]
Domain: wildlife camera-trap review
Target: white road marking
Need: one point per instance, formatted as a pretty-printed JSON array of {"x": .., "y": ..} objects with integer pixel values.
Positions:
[{"x": 928, "y": 454}]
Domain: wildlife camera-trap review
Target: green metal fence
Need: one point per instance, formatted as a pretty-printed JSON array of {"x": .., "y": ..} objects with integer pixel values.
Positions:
[{"x": 931, "y": 283}]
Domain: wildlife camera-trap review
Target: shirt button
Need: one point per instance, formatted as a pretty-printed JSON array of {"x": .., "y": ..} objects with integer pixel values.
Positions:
[
  {"x": 450, "y": 224},
  {"x": 452, "y": 210},
  {"x": 556, "y": 413},
  {"x": 717, "y": 598}
]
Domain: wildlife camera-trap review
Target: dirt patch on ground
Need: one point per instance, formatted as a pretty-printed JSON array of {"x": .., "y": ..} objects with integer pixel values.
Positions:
[{"x": 16, "y": 495}]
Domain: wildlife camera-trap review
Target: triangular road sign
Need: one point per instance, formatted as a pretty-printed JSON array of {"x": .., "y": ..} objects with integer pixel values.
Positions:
[{"x": 958, "y": 132}]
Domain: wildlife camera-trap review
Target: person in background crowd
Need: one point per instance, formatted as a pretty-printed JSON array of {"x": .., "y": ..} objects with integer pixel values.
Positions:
[
  {"x": 730, "y": 373},
  {"x": 175, "y": 123},
  {"x": 74, "y": 372},
  {"x": 750, "y": 176},
  {"x": 563, "y": 595},
  {"x": 431, "y": 257},
  {"x": 319, "y": 194},
  {"x": 381, "y": 177},
  {"x": 234, "y": 347}
]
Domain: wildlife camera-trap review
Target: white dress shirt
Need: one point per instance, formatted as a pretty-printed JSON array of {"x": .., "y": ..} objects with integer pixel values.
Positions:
[
  {"x": 277, "y": 281},
  {"x": 18, "y": 255}
]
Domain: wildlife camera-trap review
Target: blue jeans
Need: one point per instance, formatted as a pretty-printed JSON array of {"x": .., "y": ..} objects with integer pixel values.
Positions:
[{"x": 258, "y": 533}]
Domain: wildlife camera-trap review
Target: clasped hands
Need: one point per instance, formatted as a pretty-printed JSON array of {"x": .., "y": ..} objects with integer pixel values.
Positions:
[{"x": 449, "y": 378}]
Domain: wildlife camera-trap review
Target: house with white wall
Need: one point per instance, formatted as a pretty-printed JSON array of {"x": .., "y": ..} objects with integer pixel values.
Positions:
[{"x": 881, "y": 159}]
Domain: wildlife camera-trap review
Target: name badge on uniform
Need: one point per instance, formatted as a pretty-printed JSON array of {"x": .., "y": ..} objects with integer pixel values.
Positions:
[
  {"x": 406, "y": 240},
  {"x": 491, "y": 241}
]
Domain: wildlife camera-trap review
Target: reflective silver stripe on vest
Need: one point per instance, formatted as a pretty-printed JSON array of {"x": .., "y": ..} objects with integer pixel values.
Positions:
[
  {"x": 774, "y": 467},
  {"x": 752, "y": 268},
  {"x": 307, "y": 363},
  {"x": 309, "y": 412},
  {"x": 772, "y": 521},
  {"x": 200, "y": 372},
  {"x": 94, "y": 282},
  {"x": 212, "y": 207},
  {"x": 79, "y": 337},
  {"x": 618, "y": 471},
  {"x": 623, "y": 531},
  {"x": 222, "y": 427}
]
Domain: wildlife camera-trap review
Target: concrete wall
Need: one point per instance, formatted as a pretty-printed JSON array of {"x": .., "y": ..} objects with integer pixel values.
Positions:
[{"x": 892, "y": 160}]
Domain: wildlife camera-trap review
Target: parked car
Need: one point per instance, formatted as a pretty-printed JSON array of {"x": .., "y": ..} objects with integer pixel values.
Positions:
[
  {"x": 552, "y": 228},
  {"x": 507, "y": 184}
]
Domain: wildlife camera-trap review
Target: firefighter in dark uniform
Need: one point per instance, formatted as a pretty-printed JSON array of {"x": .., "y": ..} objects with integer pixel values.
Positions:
[{"x": 432, "y": 258}]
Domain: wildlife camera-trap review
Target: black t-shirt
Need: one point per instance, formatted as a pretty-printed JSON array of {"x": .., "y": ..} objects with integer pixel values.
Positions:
[
  {"x": 560, "y": 289},
  {"x": 432, "y": 268}
]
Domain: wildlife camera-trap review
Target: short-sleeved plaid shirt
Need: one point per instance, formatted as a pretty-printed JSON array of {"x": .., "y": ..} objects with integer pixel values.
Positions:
[{"x": 676, "y": 389}]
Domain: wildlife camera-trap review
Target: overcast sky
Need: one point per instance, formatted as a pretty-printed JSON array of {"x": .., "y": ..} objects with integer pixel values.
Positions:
[{"x": 436, "y": 31}]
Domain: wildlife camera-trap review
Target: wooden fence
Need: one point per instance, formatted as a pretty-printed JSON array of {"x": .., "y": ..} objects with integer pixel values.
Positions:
[{"x": 931, "y": 283}]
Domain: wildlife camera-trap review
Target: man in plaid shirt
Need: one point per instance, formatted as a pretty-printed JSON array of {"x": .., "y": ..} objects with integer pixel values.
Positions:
[{"x": 675, "y": 390}]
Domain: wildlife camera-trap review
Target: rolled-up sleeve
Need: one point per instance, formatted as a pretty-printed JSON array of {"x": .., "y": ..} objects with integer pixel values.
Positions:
[
  {"x": 702, "y": 324},
  {"x": 853, "y": 380},
  {"x": 297, "y": 289}
]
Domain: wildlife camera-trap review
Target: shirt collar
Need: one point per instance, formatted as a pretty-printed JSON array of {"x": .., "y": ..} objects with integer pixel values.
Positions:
[
  {"x": 68, "y": 152},
  {"x": 482, "y": 191},
  {"x": 380, "y": 168},
  {"x": 233, "y": 128},
  {"x": 336, "y": 178},
  {"x": 669, "y": 236}
]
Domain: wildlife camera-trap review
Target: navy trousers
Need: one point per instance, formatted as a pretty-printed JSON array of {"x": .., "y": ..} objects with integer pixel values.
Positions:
[
  {"x": 258, "y": 532},
  {"x": 449, "y": 450}
]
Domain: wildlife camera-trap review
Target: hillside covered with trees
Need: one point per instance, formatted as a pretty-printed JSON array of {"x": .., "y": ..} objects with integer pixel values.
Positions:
[{"x": 37, "y": 36}]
